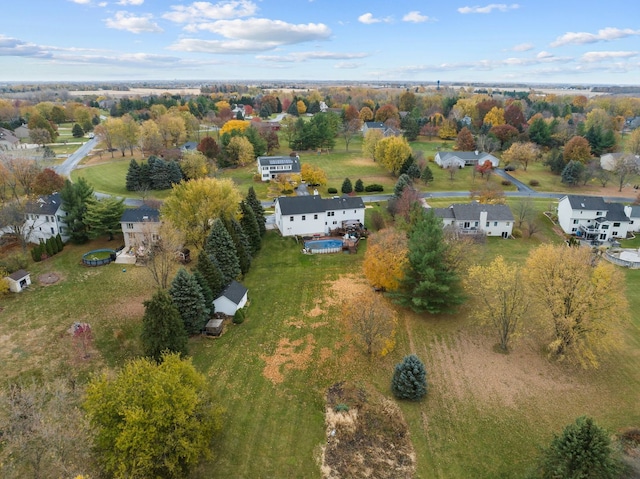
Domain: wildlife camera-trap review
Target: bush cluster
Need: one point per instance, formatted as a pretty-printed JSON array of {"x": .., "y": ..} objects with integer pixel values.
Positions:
[
  {"x": 47, "y": 248},
  {"x": 239, "y": 317},
  {"x": 332, "y": 191},
  {"x": 373, "y": 187},
  {"x": 534, "y": 183},
  {"x": 506, "y": 183}
]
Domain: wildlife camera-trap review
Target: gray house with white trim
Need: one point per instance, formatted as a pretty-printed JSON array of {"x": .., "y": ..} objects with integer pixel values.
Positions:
[
  {"x": 460, "y": 159},
  {"x": 477, "y": 218}
]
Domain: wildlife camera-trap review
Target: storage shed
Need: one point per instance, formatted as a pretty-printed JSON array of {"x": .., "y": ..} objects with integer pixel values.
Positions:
[
  {"x": 19, "y": 280},
  {"x": 232, "y": 299},
  {"x": 214, "y": 327}
]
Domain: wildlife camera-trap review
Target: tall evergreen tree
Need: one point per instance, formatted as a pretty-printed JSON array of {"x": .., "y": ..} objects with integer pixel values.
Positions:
[
  {"x": 187, "y": 297},
  {"x": 241, "y": 242},
  {"x": 347, "y": 187},
  {"x": 426, "y": 175},
  {"x": 572, "y": 173},
  {"x": 133, "y": 176},
  {"x": 258, "y": 210},
  {"x": 409, "y": 379},
  {"x": 75, "y": 198},
  {"x": 103, "y": 216},
  {"x": 403, "y": 182},
  {"x": 250, "y": 227},
  {"x": 174, "y": 173},
  {"x": 145, "y": 176},
  {"x": 162, "y": 327},
  {"x": 359, "y": 186},
  {"x": 206, "y": 290},
  {"x": 211, "y": 273},
  {"x": 222, "y": 251},
  {"x": 430, "y": 284}
]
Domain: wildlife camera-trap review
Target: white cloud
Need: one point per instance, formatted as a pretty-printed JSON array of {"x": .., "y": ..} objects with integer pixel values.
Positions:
[
  {"x": 368, "y": 19},
  {"x": 523, "y": 47},
  {"x": 103, "y": 4},
  {"x": 130, "y": 2},
  {"x": 415, "y": 17},
  {"x": 347, "y": 65},
  {"x": 605, "y": 35},
  {"x": 204, "y": 11},
  {"x": 592, "y": 57},
  {"x": 14, "y": 47},
  {"x": 304, "y": 56},
  {"x": 501, "y": 7},
  {"x": 222, "y": 46},
  {"x": 133, "y": 23},
  {"x": 81, "y": 2},
  {"x": 265, "y": 30}
]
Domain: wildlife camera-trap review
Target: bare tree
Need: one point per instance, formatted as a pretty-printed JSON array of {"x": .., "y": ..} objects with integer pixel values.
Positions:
[
  {"x": 523, "y": 211},
  {"x": 349, "y": 129},
  {"x": 624, "y": 167},
  {"x": 13, "y": 217},
  {"x": 371, "y": 322},
  {"x": 164, "y": 244}
]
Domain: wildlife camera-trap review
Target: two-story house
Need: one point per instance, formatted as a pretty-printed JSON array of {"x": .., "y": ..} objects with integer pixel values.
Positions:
[
  {"x": 313, "y": 215},
  {"x": 591, "y": 218},
  {"x": 477, "y": 218},
  {"x": 44, "y": 219},
  {"x": 140, "y": 227},
  {"x": 271, "y": 166}
]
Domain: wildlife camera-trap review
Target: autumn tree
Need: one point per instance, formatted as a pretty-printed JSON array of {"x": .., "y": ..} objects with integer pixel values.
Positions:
[
  {"x": 624, "y": 167},
  {"x": 188, "y": 299},
  {"x": 47, "y": 182},
  {"x": 313, "y": 175},
  {"x": 577, "y": 149},
  {"x": 152, "y": 419},
  {"x": 349, "y": 129},
  {"x": 514, "y": 116},
  {"x": 448, "y": 130},
  {"x": 430, "y": 283},
  {"x": 502, "y": 306},
  {"x": 494, "y": 117},
  {"x": 365, "y": 114},
  {"x": 578, "y": 299},
  {"x": 504, "y": 133},
  {"x": 387, "y": 112},
  {"x": 239, "y": 151},
  {"x": 160, "y": 257},
  {"x": 385, "y": 258},
  {"x": 521, "y": 153},
  {"x": 194, "y": 165},
  {"x": 371, "y": 322},
  {"x": 632, "y": 144},
  {"x": 162, "y": 327},
  {"x": 193, "y": 205},
  {"x": 392, "y": 152},
  {"x": 371, "y": 139},
  {"x": 209, "y": 148},
  {"x": 465, "y": 141},
  {"x": 150, "y": 140}
]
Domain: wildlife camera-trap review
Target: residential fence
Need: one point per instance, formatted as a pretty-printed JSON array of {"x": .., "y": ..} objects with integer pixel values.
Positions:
[{"x": 621, "y": 262}]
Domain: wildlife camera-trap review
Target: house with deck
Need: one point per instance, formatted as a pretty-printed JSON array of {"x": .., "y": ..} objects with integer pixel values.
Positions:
[
  {"x": 314, "y": 215},
  {"x": 44, "y": 219},
  {"x": 140, "y": 227},
  {"x": 591, "y": 218},
  {"x": 633, "y": 213},
  {"x": 460, "y": 159},
  {"x": 477, "y": 219},
  {"x": 271, "y": 166}
]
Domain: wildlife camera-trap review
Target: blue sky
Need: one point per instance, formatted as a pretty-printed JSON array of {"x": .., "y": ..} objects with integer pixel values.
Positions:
[{"x": 533, "y": 41}]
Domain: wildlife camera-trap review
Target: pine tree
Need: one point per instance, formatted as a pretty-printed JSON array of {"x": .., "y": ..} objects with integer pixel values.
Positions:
[
  {"x": 250, "y": 227},
  {"x": 359, "y": 186},
  {"x": 406, "y": 165},
  {"x": 133, "y": 176},
  {"x": 174, "y": 172},
  {"x": 409, "y": 379},
  {"x": 572, "y": 173},
  {"x": 241, "y": 242},
  {"x": 210, "y": 272},
  {"x": 145, "y": 175},
  {"x": 413, "y": 171},
  {"x": 77, "y": 131},
  {"x": 347, "y": 187},
  {"x": 258, "y": 210},
  {"x": 75, "y": 198},
  {"x": 403, "y": 182},
  {"x": 582, "y": 451},
  {"x": 222, "y": 252},
  {"x": 206, "y": 290},
  {"x": 430, "y": 284},
  {"x": 48, "y": 248},
  {"x": 187, "y": 297},
  {"x": 162, "y": 328},
  {"x": 426, "y": 175},
  {"x": 59, "y": 241}
]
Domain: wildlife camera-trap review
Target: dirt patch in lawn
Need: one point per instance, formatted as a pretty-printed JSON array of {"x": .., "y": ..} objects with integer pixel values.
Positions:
[
  {"x": 126, "y": 307},
  {"x": 289, "y": 355},
  {"x": 345, "y": 288},
  {"x": 49, "y": 278},
  {"x": 367, "y": 436}
]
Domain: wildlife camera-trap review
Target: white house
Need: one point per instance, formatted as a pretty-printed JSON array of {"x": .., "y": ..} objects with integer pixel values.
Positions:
[
  {"x": 18, "y": 281},
  {"x": 232, "y": 299},
  {"x": 313, "y": 215},
  {"x": 633, "y": 213},
  {"x": 271, "y": 166},
  {"x": 477, "y": 218},
  {"x": 378, "y": 125},
  {"x": 608, "y": 160},
  {"x": 460, "y": 159},
  {"x": 44, "y": 218},
  {"x": 591, "y": 218},
  {"x": 140, "y": 227}
]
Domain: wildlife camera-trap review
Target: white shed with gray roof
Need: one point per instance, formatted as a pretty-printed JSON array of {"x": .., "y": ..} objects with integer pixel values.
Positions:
[{"x": 232, "y": 299}]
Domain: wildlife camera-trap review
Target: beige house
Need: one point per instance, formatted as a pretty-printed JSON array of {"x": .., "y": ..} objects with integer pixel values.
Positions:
[{"x": 140, "y": 228}]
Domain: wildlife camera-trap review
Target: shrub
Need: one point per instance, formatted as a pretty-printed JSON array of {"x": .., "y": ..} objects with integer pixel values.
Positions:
[
  {"x": 341, "y": 408},
  {"x": 346, "y": 186},
  {"x": 373, "y": 187},
  {"x": 14, "y": 262},
  {"x": 59, "y": 241},
  {"x": 332, "y": 191},
  {"x": 238, "y": 318},
  {"x": 516, "y": 233},
  {"x": 48, "y": 248},
  {"x": 359, "y": 186},
  {"x": 377, "y": 220},
  {"x": 534, "y": 183},
  {"x": 36, "y": 253},
  {"x": 506, "y": 183},
  {"x": 409, "y": 379}
]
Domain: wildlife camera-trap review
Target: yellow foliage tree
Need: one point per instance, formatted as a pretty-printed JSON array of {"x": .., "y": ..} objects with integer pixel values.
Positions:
[
  {"x": 240, "y": 151},
  {"x": 302, "y": 108},
  {"x": 238, "y": 125},
  {"x": 194, "y": 165},
  {"x": 495, "y": 116},
  {"x": 313, "y": 175},
  {"x": 503, "y": 305},
  {"x": 448, "y": 130},
  {"x": 385, "y": 259},
  {"x": 633, "y": 142},
  {"x": 521, "y": 153},
  {"x": 371, "y": 139},
  {"x": 365, "y": 114},
  {"x": 580, "y": 300},
  {"x": 392, "y": 152},
  {"x": 4, "y": 283},
  {"x": 371, "y": 322},
  {"x": 192, "y": 206},
  {"x": 222, "y": 104}
]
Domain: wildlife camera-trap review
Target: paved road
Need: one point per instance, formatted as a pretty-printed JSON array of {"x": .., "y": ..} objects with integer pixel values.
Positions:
[
  {"x": 67, "y": 166},
  {"x": 519, "y": 184}
]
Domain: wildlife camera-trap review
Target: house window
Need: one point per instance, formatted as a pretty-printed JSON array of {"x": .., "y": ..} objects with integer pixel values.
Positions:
[
  {"x": 603, "y": 236},
  {"x": 335, "y": 222},
  {"x": 605, "y": 227},
  {"x": 46, "y": 219},
  {"x": 614, "y": 233},
  {"x": 475, "y": 224},
  {"x": 495, "y": 223},
  {"x": 573, "y": 230},
  {"x": 290, "y": 218},
  {"x": 129, "y": 226},
  {"x": 315, "y": 217},
  {"x": 616, "y": 225},
  {"x": 487, "y": 225},
  {"x": 598, "y": 213},
  {"x": 304, "y": 217},
  {"x": 508, "y": 223},
  {"x": 631, "y": 222},
  {"x": 575, "y": 222}
]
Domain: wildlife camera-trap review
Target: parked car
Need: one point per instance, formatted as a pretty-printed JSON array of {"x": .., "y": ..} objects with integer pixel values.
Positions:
[{"x": 510, "y": 168}]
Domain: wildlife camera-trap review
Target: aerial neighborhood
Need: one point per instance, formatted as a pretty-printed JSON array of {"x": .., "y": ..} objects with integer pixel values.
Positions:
[{"x": 406, "y": 280}]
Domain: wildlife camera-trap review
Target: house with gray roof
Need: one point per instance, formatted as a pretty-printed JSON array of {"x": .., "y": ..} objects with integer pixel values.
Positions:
[
  {"x": 633, "y": 213},
  {"x": 8, "y": 141},
  {"x": 44, "y": 219},
  {"x": 314, "y": 215},
  {"x": 460, "y": 159},
  {"x": 608, "y": 160},
  {"x": 140, "y": 227},
  {"x": 233, "y": 298},
  {"x": 269, "y": 167},
  {"x": 591, "y": 218},
  {"x": 477, "y": 219},
  {"x": 378, "y": 125}
]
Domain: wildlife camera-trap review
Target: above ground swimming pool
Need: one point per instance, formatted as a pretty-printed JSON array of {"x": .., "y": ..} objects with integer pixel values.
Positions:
[{"x": 323, "y": 246}]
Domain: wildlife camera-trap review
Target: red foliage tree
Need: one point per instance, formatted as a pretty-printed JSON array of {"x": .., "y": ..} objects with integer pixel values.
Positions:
[
  {"x": 514, "y": 116},
  {"x": 465, "y": 141},
  {"x": 47, "y": 182},
  {"x": 504, "y": 133},
  {"x": 209, "y": 148}
]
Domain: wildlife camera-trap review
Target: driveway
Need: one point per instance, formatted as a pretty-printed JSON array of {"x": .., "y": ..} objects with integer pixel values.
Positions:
[
  {"x": 67, "y": 166},
  {"x": 519, "y": 184}
]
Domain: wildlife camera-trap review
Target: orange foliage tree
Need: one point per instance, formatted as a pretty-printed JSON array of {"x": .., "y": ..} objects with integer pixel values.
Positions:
[{"x": 385, "y": 259}]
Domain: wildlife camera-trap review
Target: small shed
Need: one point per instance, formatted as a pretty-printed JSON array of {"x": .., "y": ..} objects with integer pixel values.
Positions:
[
  {"x": 19, "y": 280},
  {"x": 232, "y": 299},
  {"x": 214, "y": 327}
]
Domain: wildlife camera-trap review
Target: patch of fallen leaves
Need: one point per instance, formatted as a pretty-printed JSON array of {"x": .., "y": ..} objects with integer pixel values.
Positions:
[{"x": 289, "y": 355}]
